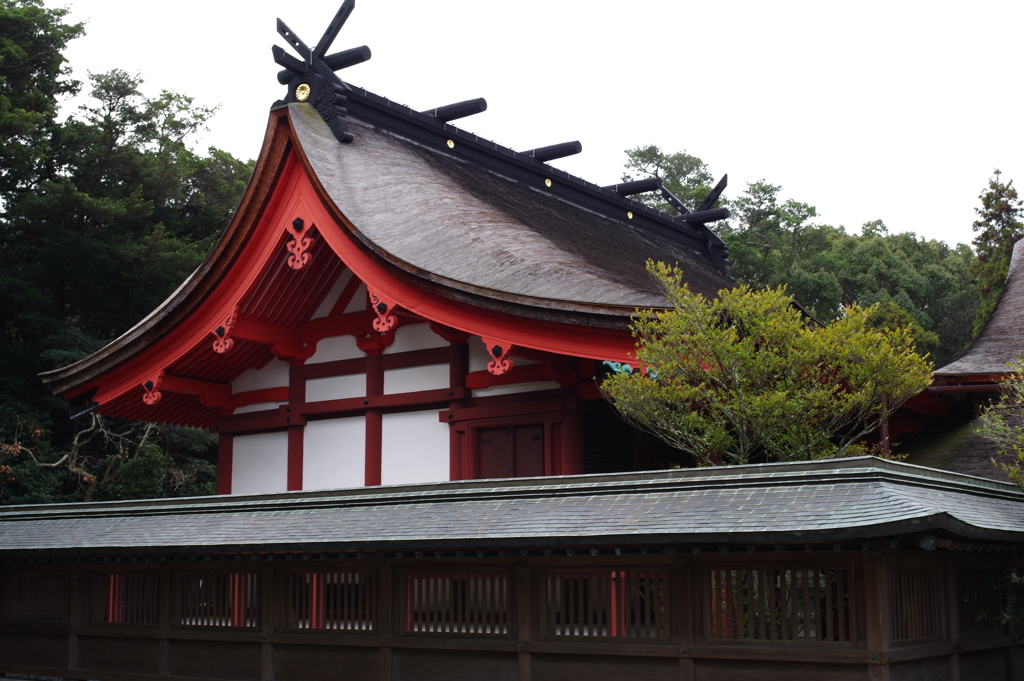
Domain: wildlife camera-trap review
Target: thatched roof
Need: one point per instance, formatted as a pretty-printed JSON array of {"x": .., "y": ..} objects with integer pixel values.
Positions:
[{"x": 1002, "y": 339}]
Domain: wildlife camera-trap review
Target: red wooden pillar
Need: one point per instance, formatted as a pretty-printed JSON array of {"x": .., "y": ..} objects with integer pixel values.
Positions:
[
  {"x": 317, "y": 600},
  {"x": 296, "y": 395},
  {"x": 238, "y": 600},
  {"x": 458, "y": 367},
  {"x": 374, "y": 419},
  {"x": 225, "y": 456},
  {"x": 572, "y": 443},
  {"x": 115, "y": 600}
]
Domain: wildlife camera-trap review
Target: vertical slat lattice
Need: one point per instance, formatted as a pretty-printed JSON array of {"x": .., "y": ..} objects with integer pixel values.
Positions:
[
  {"x": 35, "y": 597},
  {"x": 120, "y": 598},
  {"x": 457, "y": 603},
  {"x": 915, "y": 600},
  {"x": 219, "y": 599},
  {"x": 780, "y": 604},
  {"x": 342, "y": 601},
  {"x": 981, "y": 601},
  {"x": 617, "y": 603}
]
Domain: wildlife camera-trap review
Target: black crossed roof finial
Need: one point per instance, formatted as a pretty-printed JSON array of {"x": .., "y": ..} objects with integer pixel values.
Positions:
[{"x": 313, "y": 78}]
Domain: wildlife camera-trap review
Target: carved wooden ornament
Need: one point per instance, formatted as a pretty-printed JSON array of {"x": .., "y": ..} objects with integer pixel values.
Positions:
[
  {"x": 498, "y": 351},
  {"x": 153, "y": 395},
  {"x": 223, "y": 342},
  {"x": 383, "y": 307},
  {"x": 299, "y": 245}
]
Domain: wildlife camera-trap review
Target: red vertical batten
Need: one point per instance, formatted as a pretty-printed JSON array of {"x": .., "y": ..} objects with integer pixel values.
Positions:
[
  {"x": 225, "y": 458},
  {"x": 295, "y": 438},
  {"x": 458, "y": 367},
  {"x": 115, "y": 600},
  {"x": 374, "y": 419},
  {"x": 238, "y": 600},
  {"x": 317, "y": 600},
  {"x": 571, "y": 443},
  {"x": 296, "y": 450}
]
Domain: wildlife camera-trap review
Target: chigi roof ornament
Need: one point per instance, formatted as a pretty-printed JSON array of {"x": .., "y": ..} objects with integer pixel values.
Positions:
[{"x": 314, "y": 79}]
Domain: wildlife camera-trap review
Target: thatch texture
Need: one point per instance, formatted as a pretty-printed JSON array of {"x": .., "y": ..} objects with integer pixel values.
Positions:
[{"x": 1002, "y": 339}]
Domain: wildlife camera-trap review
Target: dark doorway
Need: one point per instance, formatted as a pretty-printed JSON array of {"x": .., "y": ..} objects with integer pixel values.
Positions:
[{"x": 512, "y": 452}]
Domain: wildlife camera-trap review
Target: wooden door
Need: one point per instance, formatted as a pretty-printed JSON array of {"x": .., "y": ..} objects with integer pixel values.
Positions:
[{"x": 512, "y": 452}]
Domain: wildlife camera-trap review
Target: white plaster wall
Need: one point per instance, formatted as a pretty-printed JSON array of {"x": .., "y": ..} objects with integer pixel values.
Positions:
[
  {"x": 411, "y": 379},
  {"x": 415, "y": 448},
  {"x": 478, "y": 357},
  {"x": 335, "y": 348},
  {"x": 258, "y": 406},
  {"x": 415, "y": 337},
  {"x": 335, "y": 387},
  {"x": 358, "y": 302},
  {"x": 515, "y": 388},
  {"x": 332, "y": 295},
  {"x": 260, "y": 463},
  {"x": 334, "y": 453},
  {"x": 273, "y": 375}
]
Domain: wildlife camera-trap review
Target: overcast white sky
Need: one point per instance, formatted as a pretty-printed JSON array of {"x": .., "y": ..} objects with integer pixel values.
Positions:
[{"x": 895, "y": 110}]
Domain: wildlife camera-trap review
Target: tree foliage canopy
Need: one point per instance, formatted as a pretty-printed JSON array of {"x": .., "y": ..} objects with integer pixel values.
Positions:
[
  {"x": 746, "y": 376},
  {"x": 1002, "y": 422},
  {"x": 103, "y": 215},
  {"x": 999, "y": 227},
  {"x": 923, "y": 284}
]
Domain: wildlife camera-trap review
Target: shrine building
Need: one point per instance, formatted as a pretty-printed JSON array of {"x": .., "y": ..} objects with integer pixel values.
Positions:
[
  {"x": 397, "y": 300},
  {"x": 400, "y": 339}
]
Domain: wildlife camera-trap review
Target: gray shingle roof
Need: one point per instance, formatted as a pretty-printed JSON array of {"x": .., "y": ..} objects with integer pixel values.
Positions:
[
  {"x": 851, "y": 499},
  {"x": 1000, "y": 341}
]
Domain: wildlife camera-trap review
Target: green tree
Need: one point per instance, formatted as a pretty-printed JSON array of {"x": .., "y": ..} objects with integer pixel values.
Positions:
[
  {"x": 681, "y": 173},
  {"x": 111, "y": 211},
  {"x": 999, "y": 227},
  {"x": 1002, "y": 422},
  {"x": 745, "y": 376},
  {"x": 33, "y": 77}
]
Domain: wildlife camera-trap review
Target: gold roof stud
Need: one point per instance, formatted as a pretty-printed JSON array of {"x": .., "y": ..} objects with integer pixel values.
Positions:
[
  {"x": 629, "y": 214},
  {"x": 302, "y": 92},
  {"x": 451, "y": 144},
  {"x": 547, "y": 182}
]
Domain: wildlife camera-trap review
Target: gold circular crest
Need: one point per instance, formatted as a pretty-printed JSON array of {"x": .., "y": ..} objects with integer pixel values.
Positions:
[
  {"x": 547, "y": 183},
  {"x": 302, "y": 92},
  {"x": 451, "y": 144},
  {"x": 629, "y": 214}
]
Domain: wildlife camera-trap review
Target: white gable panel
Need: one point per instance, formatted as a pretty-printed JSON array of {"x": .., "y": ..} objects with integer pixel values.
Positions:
[
  {"x": 259, "y": 463},
  {"x": 411, "y": 379},
  {"x": 415, "y": 337},
  {"x": 335, "y": 387},
  {"x": 273, "y": 375},
  {"x": 415, "y": 448},
  {"x": 335, "y": 348},
  {"x": 334, "y": 453},
  {"x": 333, "y": 295}
]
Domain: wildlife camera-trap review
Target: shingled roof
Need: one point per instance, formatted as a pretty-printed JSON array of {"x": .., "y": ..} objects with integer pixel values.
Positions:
[
  {"x": 834, "y": 500},
  {"x": 1002, "y": 339}
]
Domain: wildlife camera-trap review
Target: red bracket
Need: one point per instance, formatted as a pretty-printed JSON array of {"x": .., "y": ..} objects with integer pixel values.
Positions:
[
  {"x": 383, "y": 308},
  {"x": 152, "y": 387},
  {"x": 223, "y": 341},
  {"x": 498, "y": 350},
  {"x": 298, "y": 246}
]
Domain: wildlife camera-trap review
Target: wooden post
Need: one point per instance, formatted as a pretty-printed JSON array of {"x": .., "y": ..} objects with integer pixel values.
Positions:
[
  {"x": 374, "y": 420},
  {"x": 74, "y": 617},
  {"x": 385, "y": 620},
  {"x": 164, "y": 619},
  {"x": 877, "y": 609},
  {"x": 458, "y": 367},
  {"x": 524, "y": 619},
  {"x": 225, "y": 459}
]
